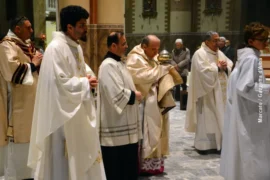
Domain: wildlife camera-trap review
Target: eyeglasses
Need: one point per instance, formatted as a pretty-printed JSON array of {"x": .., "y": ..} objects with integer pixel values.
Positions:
[
  {"x": 215, "y": 40},
  {"x": 263, "y": 40}
]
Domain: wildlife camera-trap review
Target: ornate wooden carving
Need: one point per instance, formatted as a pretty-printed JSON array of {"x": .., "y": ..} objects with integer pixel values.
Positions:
[
  {"x": 213, "y": 7},
  {"x": 149, "y": 9}
]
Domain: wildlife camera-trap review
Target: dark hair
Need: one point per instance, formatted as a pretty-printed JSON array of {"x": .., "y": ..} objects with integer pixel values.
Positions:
[
  {"x": 255, "y": 29},
  {"x": 208, "y": 35},
  {"x": 145, "y": 40},
  {"x": 17, "y": 21},
  {"x": 71, "y": 15},
  {"x": 114, "y": 38},
  {"x": 250, "y": 32}
]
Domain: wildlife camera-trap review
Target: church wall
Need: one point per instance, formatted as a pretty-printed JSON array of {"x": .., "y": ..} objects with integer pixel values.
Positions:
[
  {"x": 111, "y": 12},
  {"x": 180, "y": 16},
  {"x": 180, "y": 21},
  {"x": 175, "y": 17},
  {"x": 216, "y": 22},
  {"x": 147, "y": 25},
  {"x": 84, "y": 3},
  {"x": 186, "y": 21}
]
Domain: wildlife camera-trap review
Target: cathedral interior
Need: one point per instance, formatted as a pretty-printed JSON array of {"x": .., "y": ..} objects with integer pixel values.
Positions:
[{"x": 169, "y": 20}]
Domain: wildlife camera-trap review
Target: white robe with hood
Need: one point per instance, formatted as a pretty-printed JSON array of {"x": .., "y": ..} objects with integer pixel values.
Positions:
[{"x": 246, "y": 145}]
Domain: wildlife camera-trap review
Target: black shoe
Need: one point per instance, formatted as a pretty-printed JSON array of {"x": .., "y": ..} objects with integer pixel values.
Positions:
[
  {"x": 183, "y": 108},
  {"x": 209, "y": 151},
  {"x": 202, "y": 152},
  {"x": 218, "y": 152}
]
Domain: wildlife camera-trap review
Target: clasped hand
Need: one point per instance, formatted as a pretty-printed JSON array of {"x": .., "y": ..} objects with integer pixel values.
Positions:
[
  {"x": 222, "y": 65},
  {"x": 37, "y": 59},
  {"x": 92, "y": 81}
]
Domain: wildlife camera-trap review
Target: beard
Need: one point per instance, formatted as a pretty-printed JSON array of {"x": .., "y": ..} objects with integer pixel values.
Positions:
[{"x": 84, "y": 37}]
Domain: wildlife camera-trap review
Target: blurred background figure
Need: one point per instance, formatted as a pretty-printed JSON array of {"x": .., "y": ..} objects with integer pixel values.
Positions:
[
  {"x": 225, "y": 46},
  {"x": 181, "y": 60}
]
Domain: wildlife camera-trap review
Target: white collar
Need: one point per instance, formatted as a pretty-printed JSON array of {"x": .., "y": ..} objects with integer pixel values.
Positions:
[
  {"x": 13, "y": 35},
  {"x": 64, "y": 38},
  {"x": 208, "y": 49}
]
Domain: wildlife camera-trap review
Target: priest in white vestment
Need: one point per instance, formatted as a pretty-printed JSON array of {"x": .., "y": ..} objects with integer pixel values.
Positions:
[
  {"x": 147, "y": 75},
  {"x": 207, "y": 94},
  {"x": 18, "y": 82},
  {"x": 246, "y": 143},
  {"x": 64, "y": 140}
]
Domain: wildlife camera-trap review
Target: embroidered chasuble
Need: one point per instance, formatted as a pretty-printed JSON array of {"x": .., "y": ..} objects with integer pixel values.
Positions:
[
  {"x": 207, "y": 98},
  {"x": 155, "y": 82},
  {"x": 17, "y": 96},
  {"x": 65, "y": 112},
  {"x": 17, "y": 90}
]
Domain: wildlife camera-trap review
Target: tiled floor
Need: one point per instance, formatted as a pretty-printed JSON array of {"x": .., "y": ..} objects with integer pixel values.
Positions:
[{"x": 184, "y": 163}]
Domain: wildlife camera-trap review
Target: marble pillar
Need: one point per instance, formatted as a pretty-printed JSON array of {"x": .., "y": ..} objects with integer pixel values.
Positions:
[{"x": 39, "y": 13}]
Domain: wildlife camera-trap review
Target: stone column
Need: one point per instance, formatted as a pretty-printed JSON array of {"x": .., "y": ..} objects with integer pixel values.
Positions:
[
  {"x": 39, "y": 8},
  {"x": 93, "y": 11},
  {"x": 93, "y": 35}
]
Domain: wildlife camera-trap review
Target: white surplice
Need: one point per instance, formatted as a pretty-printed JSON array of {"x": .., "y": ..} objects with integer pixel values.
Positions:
[
  {"x": 64, "y": 112},
  {"x": 119, "y": 122},
  {"x": 246, "y": 143},
  {"x": 205, "y": 107}
]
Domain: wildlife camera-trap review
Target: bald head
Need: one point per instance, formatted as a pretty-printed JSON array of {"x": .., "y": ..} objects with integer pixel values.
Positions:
[
  {"x": 148, "y": 39},
  {"x": 150, "y": 44}
]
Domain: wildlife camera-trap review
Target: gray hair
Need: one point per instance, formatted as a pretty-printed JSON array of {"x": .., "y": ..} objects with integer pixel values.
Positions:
[
  {"x": 209, "y": 34},
  {"x": 179, "y": 41},
  {"x": 222, "y": 38}
]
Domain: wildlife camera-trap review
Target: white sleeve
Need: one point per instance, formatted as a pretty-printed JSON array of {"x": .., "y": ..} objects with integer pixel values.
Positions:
[{"x": 28, "y": 79}]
